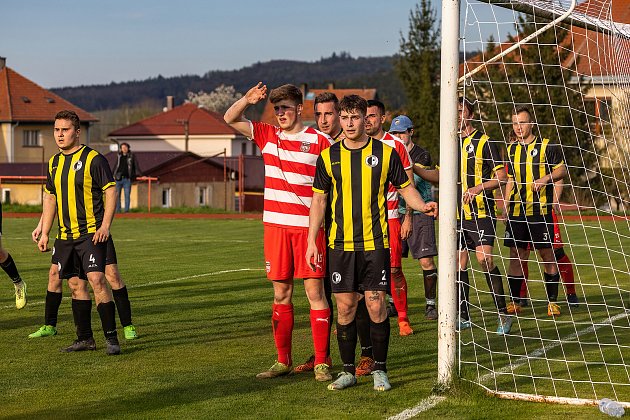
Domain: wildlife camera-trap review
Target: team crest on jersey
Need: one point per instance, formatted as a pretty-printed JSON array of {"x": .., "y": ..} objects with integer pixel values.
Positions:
[
  {"x": 470, "y": 148},
  {"x": 336, "y": 277},
  {"x": 305, "y": 147},
  {"x": 371, "y": 161},
  {"x": 77, "y": 166},
  {"x": 534, "y": 152}
]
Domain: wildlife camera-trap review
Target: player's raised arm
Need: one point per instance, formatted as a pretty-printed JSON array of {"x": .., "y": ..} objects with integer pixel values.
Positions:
[{"x": 235, "y": 117}]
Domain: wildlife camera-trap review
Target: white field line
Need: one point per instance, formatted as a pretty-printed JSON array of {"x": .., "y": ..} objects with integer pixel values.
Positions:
[
  {"x": 541, "y": 351},
  {"x": 424, "y": 405},
  {"x": 154, "y": 283}
]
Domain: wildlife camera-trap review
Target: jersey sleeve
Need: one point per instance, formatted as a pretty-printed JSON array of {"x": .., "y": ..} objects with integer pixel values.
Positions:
[
  {"x": 262, "y": 133},
  {"x": 492, "y": 156},
  {"x": 403, "y": 153},
  {"x": 101, "y": 173},
  {"x": 323, "y": 178},
  {"x": 396, "y": 172},
  {"x": 553, "y": 155},
  {"x": 509, "y": 165},
  {"x": 50, "y": 184},
  {"x": 424, "y": 159}
]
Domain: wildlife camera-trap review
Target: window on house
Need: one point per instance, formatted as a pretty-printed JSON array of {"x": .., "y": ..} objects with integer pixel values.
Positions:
[
  {"x": 30, "y": 138},
  {"x": 6, "y": 195},
  {"x": 598, "y": 113},
  {"x": 202, "y": 196},
  {"x": 243, "y": 148},
  {"x": 166, "y": 197}
]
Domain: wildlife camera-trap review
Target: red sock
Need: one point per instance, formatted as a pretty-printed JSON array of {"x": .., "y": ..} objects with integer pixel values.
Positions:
[
  {"x": 282, "y": 323},
  {"x": 321, "y": 333},
  {"x": 399, "y": 294},
  {"x": 526, "y": 274},
  {"x": 566, "y": 272}
]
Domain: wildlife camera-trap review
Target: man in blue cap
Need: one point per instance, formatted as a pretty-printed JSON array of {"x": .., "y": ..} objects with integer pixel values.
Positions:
[{"x": 418, "y": 228}]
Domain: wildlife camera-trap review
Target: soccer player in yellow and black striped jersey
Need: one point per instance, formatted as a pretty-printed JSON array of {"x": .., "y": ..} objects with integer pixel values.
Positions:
[
  {"x": 78, "y": 178},
  {"x": 356, "y": 172},
  {"x": 534, "y": 165}
]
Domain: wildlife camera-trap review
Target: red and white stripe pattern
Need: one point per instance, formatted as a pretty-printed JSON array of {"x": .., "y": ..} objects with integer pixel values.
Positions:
[
  {"x": 392, "y": 192},
  {"x": 290, "y": 161}
]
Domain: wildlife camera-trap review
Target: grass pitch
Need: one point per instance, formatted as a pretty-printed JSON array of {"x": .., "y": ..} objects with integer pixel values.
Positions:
[{"x": 201, "y": 304}]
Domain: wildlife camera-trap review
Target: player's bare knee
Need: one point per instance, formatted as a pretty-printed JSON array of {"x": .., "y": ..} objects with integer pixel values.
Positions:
[
  {"x": 427, "y": 264},
  {"x": 485, "y": 262}
]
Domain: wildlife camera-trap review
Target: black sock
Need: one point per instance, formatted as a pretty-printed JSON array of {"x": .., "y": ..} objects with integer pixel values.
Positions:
[
  {"x": 495, "y": 283},
  {"x": 380, "y": 338},
  {"x": 123, "y": 306},
  {"x": 551, "y": 285},
  {"x": 82, "y": 314},
  {"x": 430, "y": 281},
  {"x": 51, "y": 308},
  {"x": 347, "y": 340},
  {"x": 515, "y": 283},
  {"x": 328, "y": 294},
  {"x": 9, "y": 267},
  {"x": 107, "y": 312},
  {"x": 464, "y": 293},
  {"x": 362, "y": 318}
]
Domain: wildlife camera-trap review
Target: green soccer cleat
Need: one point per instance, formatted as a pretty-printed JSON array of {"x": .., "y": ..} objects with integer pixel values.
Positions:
[
  {"x": 20, "y": 294},
  {"x": 322, "y": 373},
  {"x": 278, "y": 369},
  {"x": 44, "y": 331},
  {"x": 344, "y": 380},
  {"x": 130, "y": 332},
  {"x": 381, "y": 381}
]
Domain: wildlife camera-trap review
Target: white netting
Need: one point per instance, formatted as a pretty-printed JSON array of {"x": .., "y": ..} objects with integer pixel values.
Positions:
[{"x": 576, "y": 79}]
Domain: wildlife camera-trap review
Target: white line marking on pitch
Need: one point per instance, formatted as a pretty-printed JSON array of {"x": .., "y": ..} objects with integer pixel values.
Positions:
[
  {"x": 154, "y": 283},
  {"x": 424, "y": 405}
]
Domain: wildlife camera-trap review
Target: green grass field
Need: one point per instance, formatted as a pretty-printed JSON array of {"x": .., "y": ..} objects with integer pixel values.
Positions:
[{"x": 202, "y": 308}]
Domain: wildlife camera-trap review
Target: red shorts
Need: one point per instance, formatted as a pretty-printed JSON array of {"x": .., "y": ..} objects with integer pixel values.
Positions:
[
  {"x": 285, "y": 249},
  {"x": 395, "y": 243}
]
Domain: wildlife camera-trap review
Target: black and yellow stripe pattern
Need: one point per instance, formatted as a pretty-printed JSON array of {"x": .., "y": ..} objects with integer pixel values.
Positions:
[
  {"x": 78, "y": 180},
  {"x": 529, "y": 162},
  {"x": 357, "y": 181}
]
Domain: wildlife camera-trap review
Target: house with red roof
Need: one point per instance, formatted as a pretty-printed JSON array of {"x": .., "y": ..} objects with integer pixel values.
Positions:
[
  {"x": 185, "y": 128},
  {"x": 27, "y": 114}
]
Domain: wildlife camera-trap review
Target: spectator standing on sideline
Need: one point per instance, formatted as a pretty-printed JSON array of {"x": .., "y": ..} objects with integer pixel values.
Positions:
[{"x": 125, "y": 172}]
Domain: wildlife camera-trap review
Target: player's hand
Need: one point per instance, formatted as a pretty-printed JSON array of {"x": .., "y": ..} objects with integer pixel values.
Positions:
[
  {"x": 430, "y": 209},
  {"x": 35, "y": 234},
  {"x": 313, "y": 257},
  {"x": 471, "y": 193},
  {"x": 406, "y": 227},
  {"x": 256, "y": 94},
  {"x": 101, "y": 235},
  {"x": 538, "y": 184},
  {"x": 42, "y": 244}
]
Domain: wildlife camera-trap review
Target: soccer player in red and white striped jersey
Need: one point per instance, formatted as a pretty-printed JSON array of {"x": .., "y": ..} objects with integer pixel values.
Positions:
[
  {"x": 290, "y": 153},
  {"x": 374, "y": 121}
]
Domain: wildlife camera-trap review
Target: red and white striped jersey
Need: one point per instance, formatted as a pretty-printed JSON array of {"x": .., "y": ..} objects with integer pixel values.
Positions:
[
  {"x": 289, "y": 172},
  {"x": 405, "y": 158}
]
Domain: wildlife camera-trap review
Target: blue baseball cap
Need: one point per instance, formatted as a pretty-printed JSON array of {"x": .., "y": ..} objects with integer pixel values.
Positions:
[{"x": 400, "y": 124}]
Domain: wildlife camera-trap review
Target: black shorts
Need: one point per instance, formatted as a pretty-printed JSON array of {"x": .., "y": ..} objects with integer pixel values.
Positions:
[
  {"x": 76, "y": 256},
  {"x": 476, "y": 232},
  {"x": 422, "y": 242},
  {"x": 359, "y": 271},
  {"x": 110, "y": 257},
  {"x": 532, "y": 232}
]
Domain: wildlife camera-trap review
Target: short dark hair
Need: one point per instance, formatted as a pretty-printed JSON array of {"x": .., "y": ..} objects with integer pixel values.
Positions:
[
  {"x": 468, "y": 104},
  {"x": 125, "y": 144},
  {"x": 523, "y": 108},
  {"x": 380, "y": 105},
  {"x": 351, "y": 103},
  {"x": 290, "y": 92},
  {"x": 327, "y": 97},
  {"x": 71, "y": 116}
]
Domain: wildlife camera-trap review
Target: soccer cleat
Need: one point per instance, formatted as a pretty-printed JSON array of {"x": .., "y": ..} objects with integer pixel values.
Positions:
[
  {"x": 307, "y": 366},
  {"x": 44, "y": 331},
  {"x": 113, "y": 346},
  {"x": 404, "y": 329},
  {"x": 20, "y": 294},
  {"x": 365, "y": 366},
  {"x": 505, "y": 324},
  {"x": 344, "y": 380},
  {"x": 513, "y": 308},
  {"x": 553, "y": 309},
  {"x": 430, "y": 313},
  {"x": 80, "y": 345},
  {"x": 130, "y": 332},
  {"x": 573, "y": 301},
  {"x": 278, "y": 369},
  {"x": 463, "y": 324},
  {"x": 322, "y": 373},
  {"x": 381, "y": 382}
]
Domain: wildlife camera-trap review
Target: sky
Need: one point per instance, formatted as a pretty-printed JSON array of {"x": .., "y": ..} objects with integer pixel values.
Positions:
[{"x": 77, "y": 42}]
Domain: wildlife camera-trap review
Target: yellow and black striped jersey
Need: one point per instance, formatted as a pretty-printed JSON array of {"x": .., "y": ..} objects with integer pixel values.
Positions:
[
  {"x": 528, "y": 162},
  {"x": 78, "y": 180},
  {"x": 479, "y": 160},
  {"x": 357, "y": 182}
]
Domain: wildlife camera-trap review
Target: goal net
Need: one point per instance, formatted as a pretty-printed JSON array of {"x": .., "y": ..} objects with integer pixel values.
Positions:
[{"x": 575, "y": 77}]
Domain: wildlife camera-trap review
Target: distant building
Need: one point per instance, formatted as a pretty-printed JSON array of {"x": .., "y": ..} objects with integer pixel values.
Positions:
[{"x": 27, "y": 113}]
